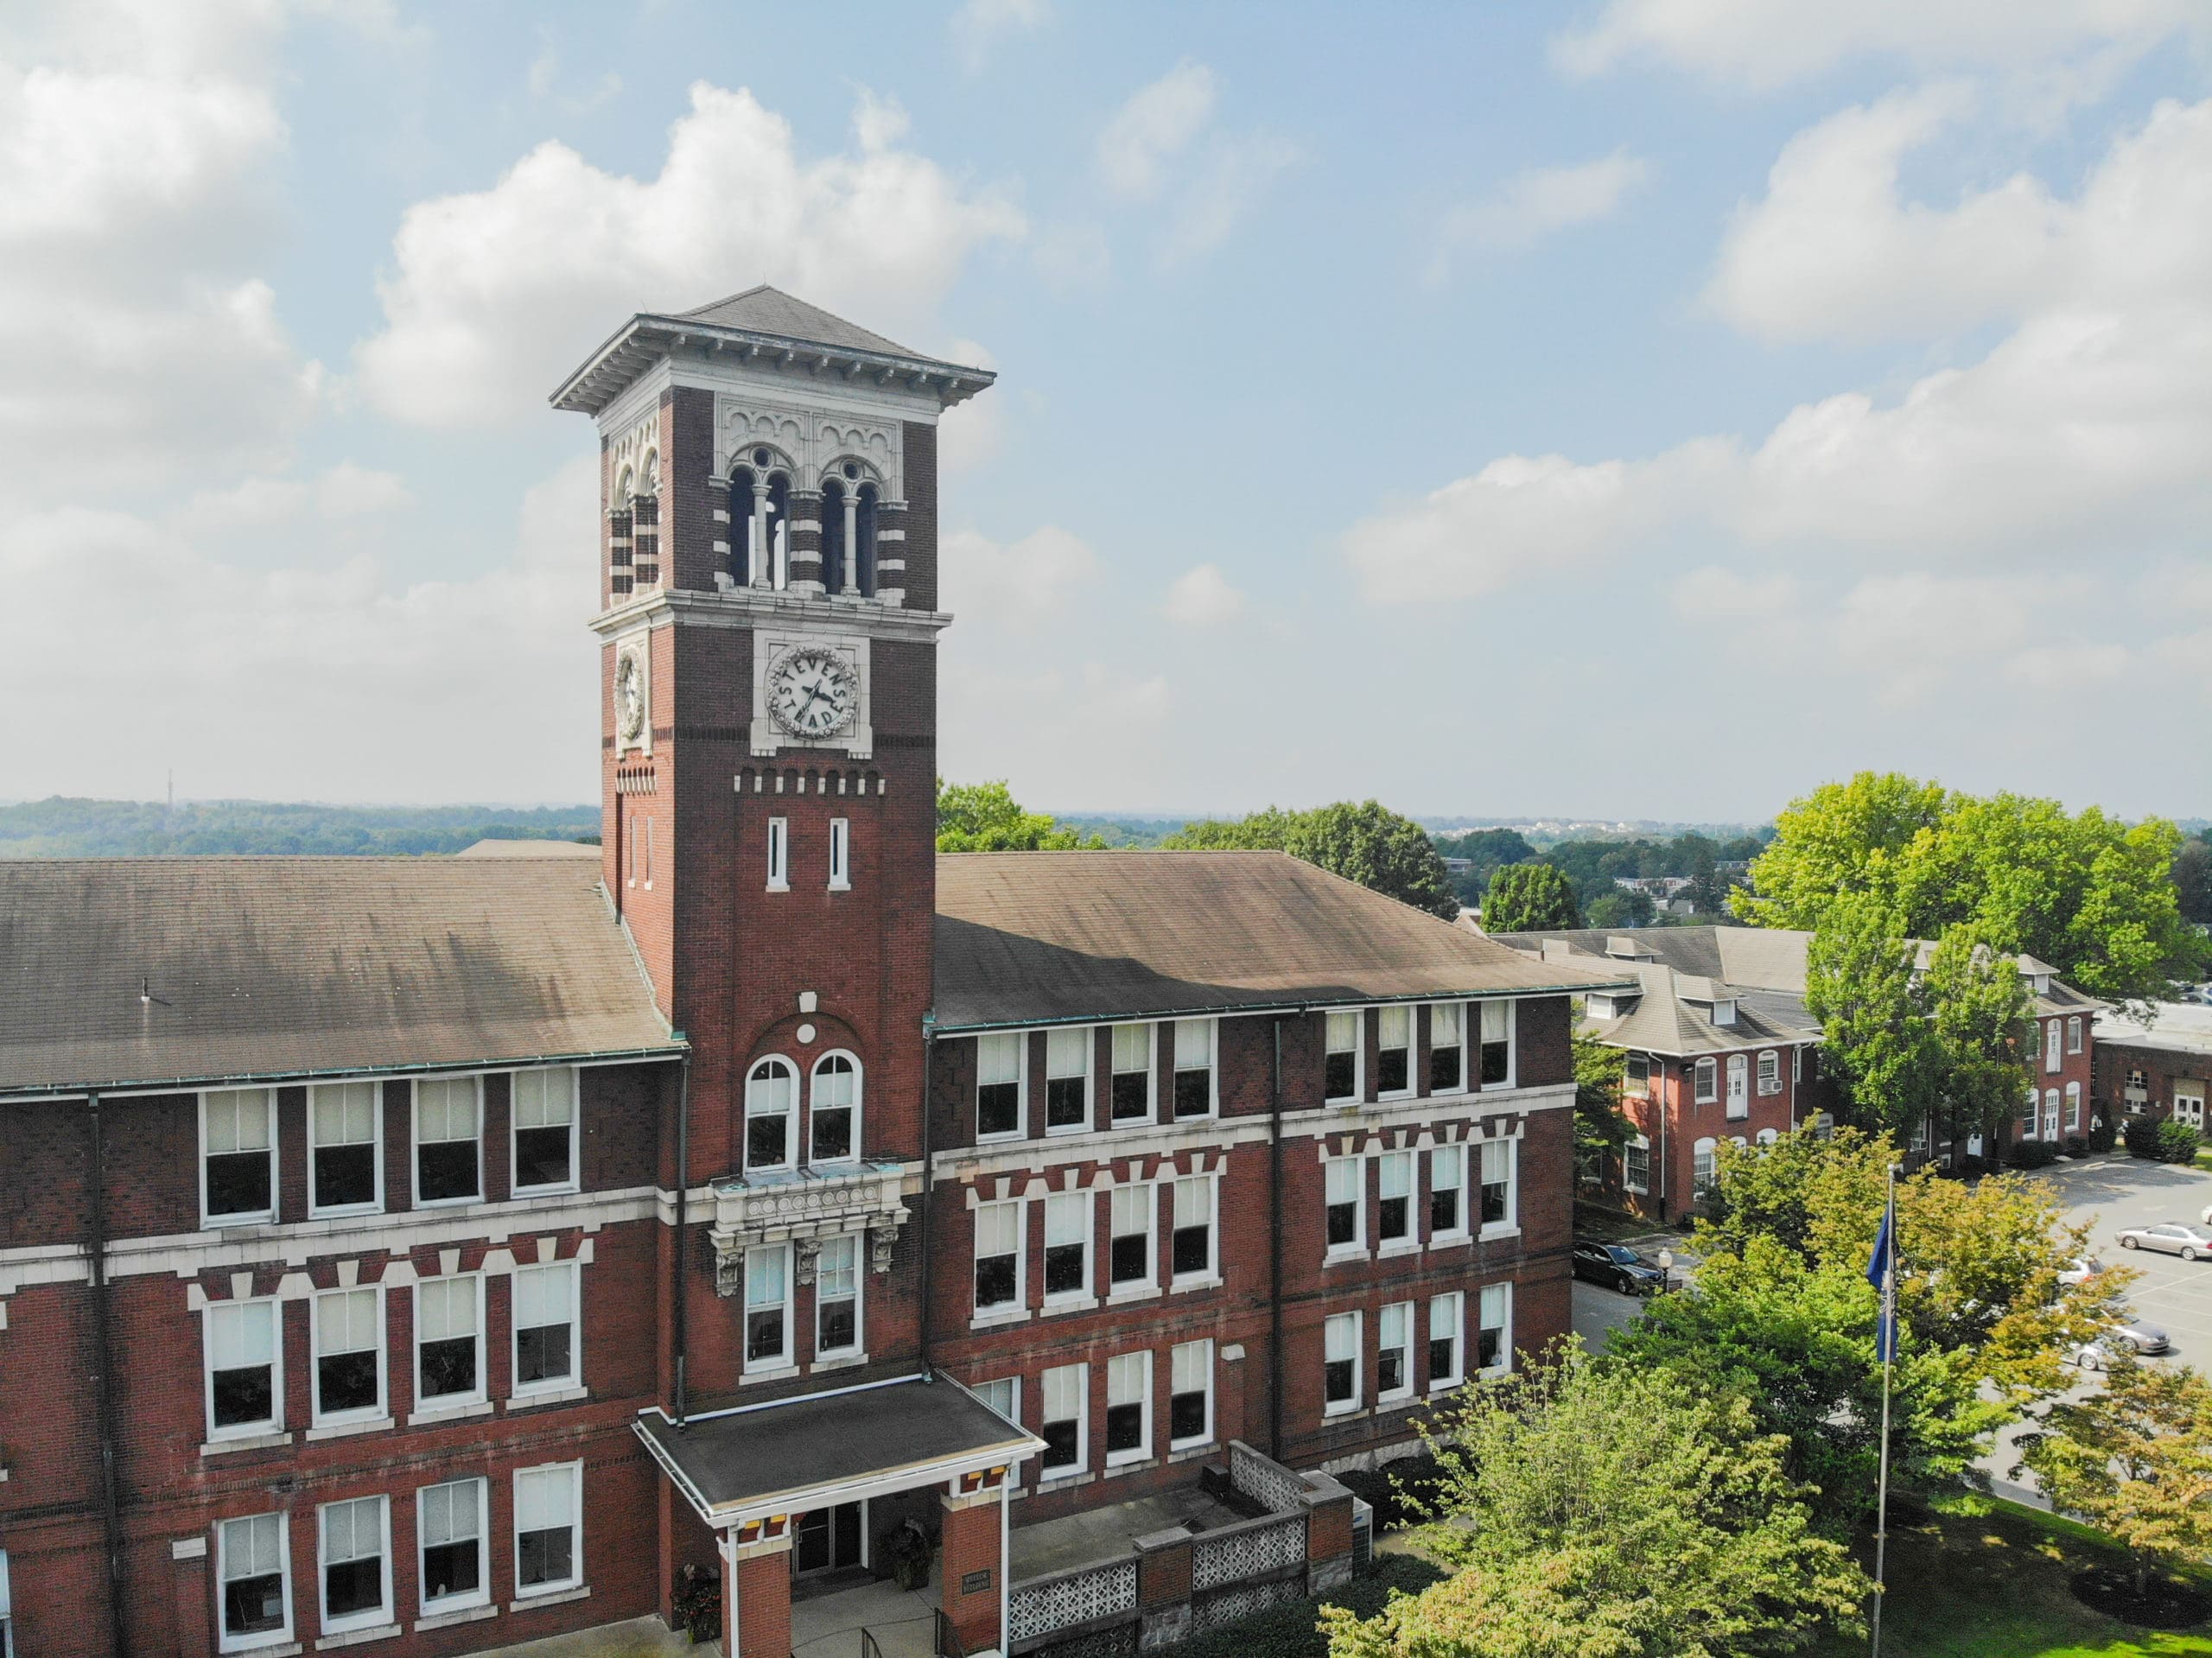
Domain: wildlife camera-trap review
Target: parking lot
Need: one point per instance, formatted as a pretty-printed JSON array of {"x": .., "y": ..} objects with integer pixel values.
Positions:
[{"x": 2109, "y": 1192}]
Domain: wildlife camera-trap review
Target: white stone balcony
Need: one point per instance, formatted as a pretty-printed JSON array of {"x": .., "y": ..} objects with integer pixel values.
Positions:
[{"x": 804, "y": 1206}]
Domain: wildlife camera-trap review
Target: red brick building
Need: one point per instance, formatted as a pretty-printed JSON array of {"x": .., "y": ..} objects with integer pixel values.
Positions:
[
  {"x": 434, "y": 1254},
  {"x": 2158, "y": 1066}
]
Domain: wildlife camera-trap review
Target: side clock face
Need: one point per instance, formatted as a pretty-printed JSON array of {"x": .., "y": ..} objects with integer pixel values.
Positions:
[
  {"x": 812, "y": 691},
  {"x": 629, "y": 697}
]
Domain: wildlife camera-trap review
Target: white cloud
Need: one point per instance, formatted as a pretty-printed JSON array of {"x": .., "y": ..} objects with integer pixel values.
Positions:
[
  {"x": 346, "y": 491},
  {"x": 1235, "y": 173},
  {"x": 1156, "y": 124},
  {"x": 1203, "y": 597},
  {"x": 1539, "y": 203},
  {"x": 543, "y": 79},
  {"x": 1760, "y": 44},
  {"x": 494, "y": 295},
  {"x": 979, "y": 25},
  {"x": 989, "y": 584}
]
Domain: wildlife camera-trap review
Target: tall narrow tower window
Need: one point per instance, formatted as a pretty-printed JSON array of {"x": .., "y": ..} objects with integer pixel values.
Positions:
[
  {"x": 840, "y": 854},
  {"x": 645, "y": 530},
  {"x": 779, "y": 863}
]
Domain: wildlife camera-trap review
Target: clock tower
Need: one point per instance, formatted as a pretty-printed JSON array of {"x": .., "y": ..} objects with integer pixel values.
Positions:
[{"x": 768, "y": 624}]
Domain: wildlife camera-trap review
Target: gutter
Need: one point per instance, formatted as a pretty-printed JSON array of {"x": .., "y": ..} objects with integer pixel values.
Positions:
[
  {"x": 1306, "y": 1006},
  {"x": 103, "y": 1389},
  {"x": 680, "y": 1277},
  {"x": 928, "y": 1183}
]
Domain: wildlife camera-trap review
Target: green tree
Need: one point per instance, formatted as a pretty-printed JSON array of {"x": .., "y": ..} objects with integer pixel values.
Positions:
[
  {"x": 2134, "y": 1459},
  {"x": 1842, "y": 840},
  {"x": 1363, "y": 842},
  {"x": 1981, "y": 1019},
  {"x": 1858, "y": 984},
  {"x": 1600, "y": 1129},
  {"x": 1529, "y": 898},
  {"x": 985, "y": 817},
  {"x": 2192, "y": 874},
  {"x": 1607, "y": 1509}
]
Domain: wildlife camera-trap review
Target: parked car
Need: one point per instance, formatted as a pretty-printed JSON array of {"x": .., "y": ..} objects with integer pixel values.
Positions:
[
  {"x": 2081, "y": 1270},
  {"x": 2129, "y": 1334},
  {"x": 2171, "y": 1237},
  {"x": 1617, "y": 1267}
]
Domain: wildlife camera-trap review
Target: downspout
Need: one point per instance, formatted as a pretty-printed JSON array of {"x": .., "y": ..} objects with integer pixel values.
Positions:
[
  {"x": 1663, "y": 1142},
  {"x": 928, "y": 1183},
  {"x": 103, "y": 1393},
  {"x": 680, "y": 1319},
  {"x": 1274, "y": 1251}
]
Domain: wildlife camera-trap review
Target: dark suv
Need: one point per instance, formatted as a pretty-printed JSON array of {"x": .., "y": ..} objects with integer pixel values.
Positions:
[{"x": 1616, "y": 1266}]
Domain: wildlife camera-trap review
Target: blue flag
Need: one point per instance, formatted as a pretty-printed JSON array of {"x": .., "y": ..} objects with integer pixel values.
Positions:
[
  {"x": 1878, "y": 1270},
  {"x": 1881, "y": 1270}
]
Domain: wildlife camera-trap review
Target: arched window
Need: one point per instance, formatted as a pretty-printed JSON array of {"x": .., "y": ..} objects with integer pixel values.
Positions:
[
  {"x": 834, "y": 1110},
  {"x": 833, "y": 535},
  {"x": 2073, "y": 1108},
  {"x": 759, "y": 509},
  {"x": 645, "y": 530},
  {"x": 1768, "y": 1136},
  {"x": 864, "y": 541},
  {"x": 1769, "y": 1073},
  {"x": 620, "y": 577},
  {"x": 771, "y": 1103},
  {"x": 740, "y": 526}
]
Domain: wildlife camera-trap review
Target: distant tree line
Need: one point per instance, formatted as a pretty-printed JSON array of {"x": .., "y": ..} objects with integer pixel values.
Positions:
[
  {"x": 59, "y": 828},
  {"x": 1594, "y": 870}
]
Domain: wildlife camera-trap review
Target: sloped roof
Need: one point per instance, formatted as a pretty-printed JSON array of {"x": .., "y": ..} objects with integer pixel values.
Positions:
[
  {"x": 763, "y": 309},
  {"x": 2176, "y": 1027},
  {"x": 1030, "y": 938},
  {"x": 508, "y": 848},
  {"x": 120, "y": 971},
  {"x": 1668, "y": 1019}
]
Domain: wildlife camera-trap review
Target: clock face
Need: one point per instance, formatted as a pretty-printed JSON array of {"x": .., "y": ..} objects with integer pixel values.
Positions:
[
  {"x": 629, "y": 697},
  {"x": 812, "y": 691}
]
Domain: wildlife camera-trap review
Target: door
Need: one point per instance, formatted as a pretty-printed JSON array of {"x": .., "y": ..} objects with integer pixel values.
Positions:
[
  {"x": 1740, "y": 1098},
  {"x": 2189, "y": 1104},
  {"x": 829, "y": 1540}
]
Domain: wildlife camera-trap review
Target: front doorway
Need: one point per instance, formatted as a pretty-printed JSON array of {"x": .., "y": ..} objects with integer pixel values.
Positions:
[
  {"x": 831, "y": 1539},
  {"x": 2189, "y": 1104}
]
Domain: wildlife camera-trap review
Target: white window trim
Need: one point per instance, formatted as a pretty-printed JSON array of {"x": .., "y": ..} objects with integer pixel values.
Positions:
[
  {"x": 2053, "y": 1060},
  {"x": 1211, "y": 1273},
  {"x": 226, "y": 1641},
  {"x": 780, "y": 854},
  {"x": 1458, "y": 1300},
  {"x": 1759, "y": 1073},
  {"x": 1134, "y": 1289},
  {"x": 1345, "y": 1407},
  {"x": 1426, "y": 1178},
  {"x": 1358, "y": 1247},
  {"x": 1087, "y": 1293},
  {"x": 576, "y": 1577},
  {"x": 210, "y": 1221},
  {"x": 1020, "y": 1130},
  {"x": 1081, "y": 1465},
  {"x": 1705, "y": 1082},
  {"x": 415, "y": 1144},
  {"x": 1151, "y": 1027},
  {"x": 375, "y": 1205},
  {"x": 1405, "y": 1389},
  {"x": 2074, "y": 1033},
  {"x": 1213, "y": 1369},
  {"x": 1358, "y": 1094},
  {"x": 574, "y": 1182},
  {"x": 452, "y": 1401},
  {"x": 1511, "y": 1224},
  {"x": 789, "y": 1114},
  {"x": 1020, "y": 1304},
  {"x": 1090, "y": 1034},
  {"x": 840, "y": 854},
  {"x": 1643, "y": 1143},
  {"x": 482, "y": 1594},
  {"x": 1465, "y": 1081},
  {"x": 575, "y": 1379},
  {"x": 1512, "y": 1006},
  {"x": 244, "y": 1430},
  {"x": 376, "y": 1616},
  {"x": 1142, "y": 1451},
  {"x": 858, "y": 1351},
  {"x": 784, "y": 1359},
  {"x": 2051, "y": 1114},
  {"x": 1710, "y": 1145},
  {"x": 1408, "y": 1240},
  {"x": 381, "y": 1412},
  {"x": 1012, "y": 1414},
  {"x": 1504, "y": 1365},
  {"x": 1213, "y": 1074},
  {"x": 1412, "y": 1047},
  {"x": 1738, "y": 1105},
  {"x": 859, "y": 1100}
]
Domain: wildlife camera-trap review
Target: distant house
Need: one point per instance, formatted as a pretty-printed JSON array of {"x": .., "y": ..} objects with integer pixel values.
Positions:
[
  {"x": 2155, "y": 1066},
  {"x": 1669, "y": 894}
]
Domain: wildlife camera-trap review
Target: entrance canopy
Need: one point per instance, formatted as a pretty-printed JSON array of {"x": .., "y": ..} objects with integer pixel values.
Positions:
[{"x": 760, "y": 1461}]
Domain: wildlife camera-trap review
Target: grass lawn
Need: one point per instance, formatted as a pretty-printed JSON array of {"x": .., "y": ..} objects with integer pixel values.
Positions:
[{"x": 1988, "y": 1579}]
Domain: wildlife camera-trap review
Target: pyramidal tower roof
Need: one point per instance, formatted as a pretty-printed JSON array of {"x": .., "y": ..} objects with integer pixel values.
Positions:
[{"x": 763, "y": 327}]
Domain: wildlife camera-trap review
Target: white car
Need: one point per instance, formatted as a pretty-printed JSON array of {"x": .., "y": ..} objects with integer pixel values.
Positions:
[{"x": 2081, "y": 1270}]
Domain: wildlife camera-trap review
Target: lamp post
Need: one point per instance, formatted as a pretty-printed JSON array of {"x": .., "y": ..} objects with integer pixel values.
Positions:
[{"x": 1666, "y": 1270}]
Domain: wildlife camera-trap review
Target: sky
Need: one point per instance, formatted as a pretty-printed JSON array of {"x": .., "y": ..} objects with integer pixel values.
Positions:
[{"x": 1639, "y": 409}]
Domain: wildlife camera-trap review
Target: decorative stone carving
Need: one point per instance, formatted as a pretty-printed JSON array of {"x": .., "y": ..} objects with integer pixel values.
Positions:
[{"x": 803, "y": 1208}]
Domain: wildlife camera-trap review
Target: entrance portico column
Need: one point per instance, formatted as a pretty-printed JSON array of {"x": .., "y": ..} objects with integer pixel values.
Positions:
[
  {"x": 973, "y": 1565},
  {"x": 757, "y": 1604}
]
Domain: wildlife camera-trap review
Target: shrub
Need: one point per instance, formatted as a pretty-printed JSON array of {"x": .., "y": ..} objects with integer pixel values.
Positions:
[
  {"x": 2076, "y": 1146},
  {"x": 2102, "y": 1135},
  {"x": 2177, "y": 1142},
  {"x": 1397, "y": 1490},
  {"x": 1290, "y": 1630},
  {"x": 2142, "y": 1136},
  {"x": 2034, "y": 1154}
]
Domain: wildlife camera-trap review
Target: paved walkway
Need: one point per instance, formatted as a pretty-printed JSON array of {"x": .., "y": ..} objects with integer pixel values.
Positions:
[{"x": 1105, "y": 1533}]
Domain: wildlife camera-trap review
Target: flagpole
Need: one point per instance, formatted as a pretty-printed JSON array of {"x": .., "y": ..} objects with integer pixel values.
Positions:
[{"x": 1885, "y": 1337}]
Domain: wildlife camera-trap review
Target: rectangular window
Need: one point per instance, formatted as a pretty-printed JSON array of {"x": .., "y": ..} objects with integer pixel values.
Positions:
[
  {"x": 345, "y": 1149},
  {"x": 768, "y": 1307},
  {"x": 243, "y": 1341},
  {"x": 449, "y": 1529},
  {"x": 998, "y": 1255},
  {"x": 1066, "y": 1409},
  {"x": 1394, "y": 1354},
  {"x": 1345, "y": 1189},
  {"x": 252, "y": 1564},
  {"x": 1067, "y": 1080},
  {"x": 1193, "y": 1240},
  {"x": 1194, "y": 1042},
  {"x": 1340, "y": 1067},
  {"x": 1189, "y": 1398},
  {"x": 1133, "y": 1072},
  {"x": 2074, "y": 1033},
  {"x": 449, "y": 1340},
  {"x": 1067, "y": 1245},
  {"x": 1797, "y": 1065},
  {"x": 1498, "y": 1044},
  {"x": 1340, "y": 1363},
  {"x": 1128, "y": 1408},
  {"x": 1705, "y": 1167},
  {"x": 1447, "y": 1056},
  {"x": 1393, "y": 1205},
  {"x": 1447, "y": 1202},
  {"x": 545, "y": 1326},
  {"x": 545, "y": 1129},
  {"x": 837, "y": 1297},
  {"x": 1003, "y": 1396},
  {"x": 998, "y": 1085},
  {"x": 1134, "y": 1211},
  {"x": 1635, "y": 1164},
  {"x": 1394, "y": 1051},
  {"x": 548, "y": 1528},
  {"x": 349, "y": 1355},
  {"x": 1638, "y": 1081},
  {"x": 2028, "y": 1116},
  {"x": 1500, "y": 1206},
  {"x": 840, "y": 854},
  {"x": 780, "y": 854},
  {"x": 2052, "y": 1061},
  {"x": 1769, "y": 1073},
  {"x": 2073, "y": 1108},
  {"x": 1445, "y": 1319},
  {"x": 448, "y": 1121},
  {"x": 1709, "y": 1081},
  {"x": 1494, "y": 1340},
  {"x": 356, "y": 1542},
  {"x": 237, "y": 1144}
]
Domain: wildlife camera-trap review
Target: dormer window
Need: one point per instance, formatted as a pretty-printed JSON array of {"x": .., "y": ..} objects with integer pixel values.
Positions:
[{"x": 1723, "y": 1011}]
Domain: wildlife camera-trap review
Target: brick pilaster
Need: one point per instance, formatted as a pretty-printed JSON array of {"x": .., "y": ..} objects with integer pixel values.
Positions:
[{"x": 970, "y": 1589}]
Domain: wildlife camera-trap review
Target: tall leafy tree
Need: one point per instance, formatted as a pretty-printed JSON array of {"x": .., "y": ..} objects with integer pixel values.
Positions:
[
  {"x": 1842, "y": 840},
  {"x": 1980, "y": 1018},
  {"x": 1858, "y": 983},
  {"x": 985, "y": 817},
  {"x": 2192, "y": 872},
  {"x": 1600, "y": 1129},
  {"x": 1591, "y": 1507},
  {"x": 1364, "y": 842},
  {"x": 1529, "y": 898}
]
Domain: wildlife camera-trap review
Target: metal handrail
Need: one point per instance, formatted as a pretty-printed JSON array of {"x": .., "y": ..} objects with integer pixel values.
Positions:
[
  {"x": 868, "y": 1649},
  {"x": 949, "y": 1643}
]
